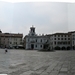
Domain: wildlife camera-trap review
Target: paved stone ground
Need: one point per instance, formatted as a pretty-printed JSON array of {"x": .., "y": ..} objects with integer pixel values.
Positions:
[{"x": 21, "y": 62}]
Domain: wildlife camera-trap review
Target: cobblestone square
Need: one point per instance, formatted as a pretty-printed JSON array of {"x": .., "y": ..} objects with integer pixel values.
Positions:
[{"x": 23, "y": 62}]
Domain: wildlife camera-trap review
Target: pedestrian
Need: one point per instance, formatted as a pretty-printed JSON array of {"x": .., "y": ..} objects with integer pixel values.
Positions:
[{"x": 6, "y": 50}]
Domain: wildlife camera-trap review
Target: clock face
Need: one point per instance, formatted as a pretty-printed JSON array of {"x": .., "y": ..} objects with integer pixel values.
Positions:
[{"x": 32, "y": 34}]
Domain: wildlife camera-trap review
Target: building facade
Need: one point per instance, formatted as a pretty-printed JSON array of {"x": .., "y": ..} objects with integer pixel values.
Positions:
[
  {"x": 72, "y": 39},
  {"x": 60, "y": 41},
  {"x": 56, "y": 41},
  {"x": 10, "y": 40},
  {"x": 33, "y": 41}
]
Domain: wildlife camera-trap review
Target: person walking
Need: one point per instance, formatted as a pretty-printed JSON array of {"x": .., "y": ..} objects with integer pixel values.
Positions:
[{"x": 6, "y": 50}]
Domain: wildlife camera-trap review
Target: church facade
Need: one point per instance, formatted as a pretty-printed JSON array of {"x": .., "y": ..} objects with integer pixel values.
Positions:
[{"x": 34, "y": 41}]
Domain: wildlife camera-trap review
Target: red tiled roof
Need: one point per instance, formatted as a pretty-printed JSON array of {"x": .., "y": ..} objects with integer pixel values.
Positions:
[{"x": 10, "y": 35}]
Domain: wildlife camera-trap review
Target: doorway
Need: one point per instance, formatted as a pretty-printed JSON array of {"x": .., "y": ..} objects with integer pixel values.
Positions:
[{"x": 32, "y": 46}]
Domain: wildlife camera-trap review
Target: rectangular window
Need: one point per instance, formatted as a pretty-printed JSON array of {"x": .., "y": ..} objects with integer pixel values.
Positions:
[
  {"x": 10, "y": 42},
  {"x": 58, "y": 43},
  {"x": 55, "y": 35},
  {"x": 68, "y": 38},
  {"x": 55, "y": 38},
  {"x": 36, "y": 46},
  {"x": 61, "y": 35},
  {"x": 63, "y": 42},
  {"x": 65, "y": 35},
  {"x": 69, "y": 42},
  {"x": 61, "y": 38},
  {"x": 58, "y": 38},
  {"x": 41, "y": 40},
  {"x": 65, "y": 38},
  {"x": 36, "y": 40},
  {"x": 16, "y": 43},
  {"x": 55, "y": 42},
  {"x": 41, "y": 46}
]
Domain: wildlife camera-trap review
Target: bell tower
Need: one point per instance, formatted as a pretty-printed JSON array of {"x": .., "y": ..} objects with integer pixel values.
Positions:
[{"x": 32, "y": 31}]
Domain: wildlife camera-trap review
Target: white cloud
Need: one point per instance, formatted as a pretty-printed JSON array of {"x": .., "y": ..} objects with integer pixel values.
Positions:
[{"x": 47, "y": 17}]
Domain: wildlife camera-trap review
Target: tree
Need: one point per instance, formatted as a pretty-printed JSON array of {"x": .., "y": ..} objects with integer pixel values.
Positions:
[{"x": 46, "y": 46}]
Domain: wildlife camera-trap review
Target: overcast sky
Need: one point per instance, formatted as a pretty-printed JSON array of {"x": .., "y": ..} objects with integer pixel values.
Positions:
[{"x": 47, "y": 17}]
